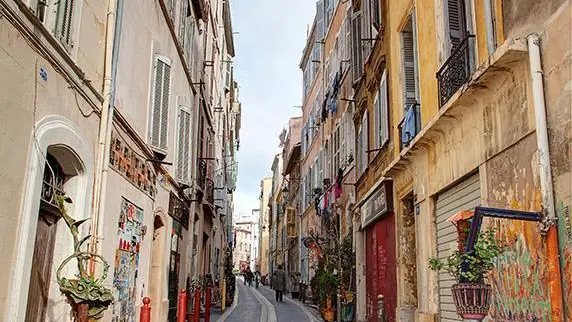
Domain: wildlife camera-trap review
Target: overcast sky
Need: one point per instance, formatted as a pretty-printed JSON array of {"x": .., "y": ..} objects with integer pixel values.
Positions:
[{"x": 271, "y": 37}]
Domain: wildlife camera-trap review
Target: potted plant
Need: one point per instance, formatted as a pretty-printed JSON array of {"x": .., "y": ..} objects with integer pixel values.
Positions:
[
  {"x": 472, "y": 295},
  {"x": 87, "y": 295}
]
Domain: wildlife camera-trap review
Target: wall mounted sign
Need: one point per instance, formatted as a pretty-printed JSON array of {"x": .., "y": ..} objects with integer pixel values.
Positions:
[
  {"x": 377, "y": 204},
  {"x": 179, "y": 210},
  {"x": 131, "y": 166}
]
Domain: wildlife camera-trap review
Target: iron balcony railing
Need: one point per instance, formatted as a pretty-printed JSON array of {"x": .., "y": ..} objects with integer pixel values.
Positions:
[
  {"x": 202, "y": 174},
  {"x": 410, "y": 125},
  {"x": 456, "y": 70},
  {"x": 209, "y": 191}
]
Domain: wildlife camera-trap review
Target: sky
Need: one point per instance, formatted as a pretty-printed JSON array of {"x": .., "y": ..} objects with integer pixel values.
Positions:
[{"x": 269, "y": 44}]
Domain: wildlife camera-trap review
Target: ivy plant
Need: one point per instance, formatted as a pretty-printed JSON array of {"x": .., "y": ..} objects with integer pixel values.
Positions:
[{"x": 480, "y": 262}]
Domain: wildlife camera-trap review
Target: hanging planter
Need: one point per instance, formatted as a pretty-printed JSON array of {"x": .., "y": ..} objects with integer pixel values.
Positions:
[
  {"x": 472, "y": 296},
  {"x": 472, "y": 300}
]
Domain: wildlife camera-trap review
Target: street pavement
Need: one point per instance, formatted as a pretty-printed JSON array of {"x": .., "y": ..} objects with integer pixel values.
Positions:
[{"x": 259, "y": 305}]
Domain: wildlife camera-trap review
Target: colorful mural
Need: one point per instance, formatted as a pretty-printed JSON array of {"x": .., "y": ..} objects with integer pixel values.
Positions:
[
  {"x": 565, "y": 245},
  {"x": 127, "y": 262},
  {"x": 132, "y": 166}
]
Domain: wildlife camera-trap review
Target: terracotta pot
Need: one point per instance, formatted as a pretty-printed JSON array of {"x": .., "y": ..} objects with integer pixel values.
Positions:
[{"x": 472, "y": 300}]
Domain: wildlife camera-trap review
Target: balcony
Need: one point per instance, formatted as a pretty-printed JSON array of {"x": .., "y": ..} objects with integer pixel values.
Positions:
[
  {"x": 410, "y": 125},
  {"x": 456, "y": 70},
  {"x": 202, "y": 174},
  {"x": 209, "y": 191}
]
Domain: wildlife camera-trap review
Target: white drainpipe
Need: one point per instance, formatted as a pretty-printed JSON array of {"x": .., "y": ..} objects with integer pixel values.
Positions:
[{"x": 550, "y": 220}]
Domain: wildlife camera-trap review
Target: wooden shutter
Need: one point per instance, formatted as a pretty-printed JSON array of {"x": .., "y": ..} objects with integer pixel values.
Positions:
[
  {"x": 160, "y": 108},
  {"x": 375, "y": 14},
  {"x": 64, "y": 22},
  {"x": 456, "y": 22},
  {"x": 183, "y": 146},
  {"x": 357, "y": 61},
  {"x": 384, "y": 110},
  {"x": 348, "y": 36},
  {"x": 365, "y": 141},
  {"x": 408, "y": 68}
]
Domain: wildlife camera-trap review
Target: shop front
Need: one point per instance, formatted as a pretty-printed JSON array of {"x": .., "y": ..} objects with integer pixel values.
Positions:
[{"x": 378, "y": 221}]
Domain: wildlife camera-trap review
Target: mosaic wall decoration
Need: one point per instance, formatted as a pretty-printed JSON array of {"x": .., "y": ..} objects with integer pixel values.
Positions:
[
  {"x": 132, "y": 166},
  {"x": 130, "y": 232}
]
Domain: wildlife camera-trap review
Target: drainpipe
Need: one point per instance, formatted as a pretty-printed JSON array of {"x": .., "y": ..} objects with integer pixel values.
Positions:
[
  {"x": 550, "y": 220},
  {"x": 113, "y": 33}
]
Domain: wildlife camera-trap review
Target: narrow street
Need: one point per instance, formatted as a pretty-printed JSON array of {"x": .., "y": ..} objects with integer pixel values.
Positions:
[{"x": 260, "y": 305}]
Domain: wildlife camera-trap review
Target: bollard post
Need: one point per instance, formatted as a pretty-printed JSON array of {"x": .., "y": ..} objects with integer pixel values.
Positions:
[
  {"x": 380, "y": 308},
  {"x": 223, "y": 297},
  {"x": 182, "y": 311},
  {"x": 197, "y": 302},
  {"x": 145, "y": 315},
  {"x": 208, "y": 295}
]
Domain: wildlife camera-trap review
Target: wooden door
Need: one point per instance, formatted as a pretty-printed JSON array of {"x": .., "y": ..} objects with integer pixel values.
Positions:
[
  {"x": 381, "y": 271},
  {"x": 41, "y": 267}
]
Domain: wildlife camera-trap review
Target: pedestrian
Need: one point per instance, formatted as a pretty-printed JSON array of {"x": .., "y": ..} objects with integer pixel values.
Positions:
[{"x": 279, "y": 282}]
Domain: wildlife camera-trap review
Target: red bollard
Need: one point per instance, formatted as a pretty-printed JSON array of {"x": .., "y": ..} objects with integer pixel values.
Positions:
[
  {"x": 197, "y": 311},
  {"x": 145, "y": 315},
  {"x": 182, "y": 311},
  {"x": 208, "y": 304}
]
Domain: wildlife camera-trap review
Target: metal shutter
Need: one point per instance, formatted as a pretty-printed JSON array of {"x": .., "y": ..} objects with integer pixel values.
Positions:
[{"x": 464, "y": 195}]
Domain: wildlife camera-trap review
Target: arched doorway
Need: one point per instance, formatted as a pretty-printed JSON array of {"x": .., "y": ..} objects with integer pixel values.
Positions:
[
  {"x": 61, "y": 171},
  {"x": 158, "y": 264}
]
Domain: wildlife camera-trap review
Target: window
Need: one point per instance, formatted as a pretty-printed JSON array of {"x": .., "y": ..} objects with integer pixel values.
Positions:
[
  {"x": 160, "y": 105},
  {"x": 381, "y": 119},
  {"x": 456, "y": 22},
  {"x": 336, "y": 151},
  {"x": 409, "y": 56},
  {"x": 357, "y": 58},
  {"x": 58, "y": 16},
  {"x": 183, "y": 146},
  {"x": 375, "y": 14},
  {"x": 362, "y": 145}
]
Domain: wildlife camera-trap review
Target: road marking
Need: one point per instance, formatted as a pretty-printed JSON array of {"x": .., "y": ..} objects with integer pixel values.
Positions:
[
  {"x": 234, "y": 305},
  {"x": 270, "y": 312}
]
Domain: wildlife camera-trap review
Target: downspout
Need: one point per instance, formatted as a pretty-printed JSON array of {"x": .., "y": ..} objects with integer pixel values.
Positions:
[
  {"x": 550, "y": 222},
  {"x": 113, "y": 33}
]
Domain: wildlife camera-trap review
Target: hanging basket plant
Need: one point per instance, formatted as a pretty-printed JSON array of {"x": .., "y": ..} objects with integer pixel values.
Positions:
[
  {"x": 472, "y": 295},
  {"x": 87, "y": 295}
]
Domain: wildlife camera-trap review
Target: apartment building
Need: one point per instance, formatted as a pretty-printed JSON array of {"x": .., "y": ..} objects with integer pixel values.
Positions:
[
  {"x": 131, "y": 109},
  {"x": 452, "y": 113},
  {"x": 327, "y": 148},
  {"x": 264, "y": 224}
]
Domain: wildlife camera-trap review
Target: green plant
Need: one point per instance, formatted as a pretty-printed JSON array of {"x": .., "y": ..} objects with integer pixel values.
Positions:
[
  {"x": 480, "y": 262},
  {"x": 85, "y": 291}
]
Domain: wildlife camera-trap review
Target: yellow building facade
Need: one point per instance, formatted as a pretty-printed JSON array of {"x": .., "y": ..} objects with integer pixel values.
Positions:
[{"x": 448, "y": 97}]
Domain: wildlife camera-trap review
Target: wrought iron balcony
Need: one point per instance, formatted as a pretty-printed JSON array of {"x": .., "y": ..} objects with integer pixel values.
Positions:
[
  {"x": 410, "y": 125},
  {"x": 209, "y": 191},
  {"x": 456, "y": 70},
  {"x": 202, "y": 174}
]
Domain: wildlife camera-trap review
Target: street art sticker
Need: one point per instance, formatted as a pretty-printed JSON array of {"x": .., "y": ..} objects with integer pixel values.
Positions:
[{"x": 127, "y": 262}]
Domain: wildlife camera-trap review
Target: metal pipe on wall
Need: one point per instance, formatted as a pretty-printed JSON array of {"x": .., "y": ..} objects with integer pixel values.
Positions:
[
  {"x": 113, "y": 35},
  {"x": 550, "y": 221}
]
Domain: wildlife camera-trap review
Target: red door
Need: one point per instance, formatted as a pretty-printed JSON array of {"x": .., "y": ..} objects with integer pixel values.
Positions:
[{"x": 381, "y": 268}]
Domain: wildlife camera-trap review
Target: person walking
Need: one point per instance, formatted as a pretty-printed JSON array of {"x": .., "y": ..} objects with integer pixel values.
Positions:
[{"x": 279, "y": 282}]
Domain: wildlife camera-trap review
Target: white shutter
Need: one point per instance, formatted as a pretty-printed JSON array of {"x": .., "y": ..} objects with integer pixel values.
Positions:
[
  {"x": 320, "y": 23},
  {"x": 160, "y": 106},
  {"x": 183, "y": 146},
  {"x": 384, "y": 107},
  {"x": 376, "y": 121},
  {"x": 64, "y": 22}
]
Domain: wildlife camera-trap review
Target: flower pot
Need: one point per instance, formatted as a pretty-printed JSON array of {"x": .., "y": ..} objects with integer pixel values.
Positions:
[{"x": 472, "y": 300}]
